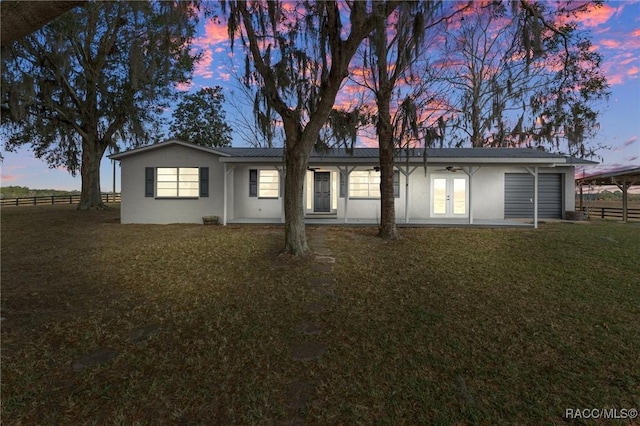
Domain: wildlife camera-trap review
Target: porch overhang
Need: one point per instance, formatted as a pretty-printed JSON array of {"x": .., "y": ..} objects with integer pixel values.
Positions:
[
  {"x": 623, "y": 179},
  {"x": 369, "y": 162}
]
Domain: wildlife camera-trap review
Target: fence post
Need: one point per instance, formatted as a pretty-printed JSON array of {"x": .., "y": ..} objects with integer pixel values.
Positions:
[
  {"x": 70, "y": 199},
  {"x": 602, "y": 215},
  {"x": 52, "y": 200},
  {"x": 34, "y": 201}
]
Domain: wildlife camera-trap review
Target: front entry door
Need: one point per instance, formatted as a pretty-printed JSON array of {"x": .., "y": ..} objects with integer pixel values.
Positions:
[
  {"x": 322, "y": 192},
  {"x": 449, "y": 196}
]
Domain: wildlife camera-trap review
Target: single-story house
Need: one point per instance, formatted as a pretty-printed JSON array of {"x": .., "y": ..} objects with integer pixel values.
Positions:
[{"x": 178, "y": 182}]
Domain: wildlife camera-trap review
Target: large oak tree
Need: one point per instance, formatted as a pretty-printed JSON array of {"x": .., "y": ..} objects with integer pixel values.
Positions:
[
  {"x": 298, "y": 55},
  {"x": 200, "y": 118},
  {"x": 524, "y": 75},
  {"x": 20, "y": 18},
  {"x": 393, "y": 64},
  {"x": 95, "y": 78}
]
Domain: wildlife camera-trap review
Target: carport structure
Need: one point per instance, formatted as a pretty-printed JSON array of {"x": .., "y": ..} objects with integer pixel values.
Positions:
[{"x": 623, "y": 179}]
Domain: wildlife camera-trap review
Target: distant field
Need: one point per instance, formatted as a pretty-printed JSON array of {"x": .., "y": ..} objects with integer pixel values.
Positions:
[{"x": 442, "y": 327}]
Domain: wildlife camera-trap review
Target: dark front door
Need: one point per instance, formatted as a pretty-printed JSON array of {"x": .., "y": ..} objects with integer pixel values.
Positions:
[{"x": 322, "y": 193}]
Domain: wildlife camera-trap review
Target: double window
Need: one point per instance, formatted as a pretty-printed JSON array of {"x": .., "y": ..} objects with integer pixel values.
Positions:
[
  {"x": 177, "y": 182},
  {"x": 366, "y": 184},
  {"x": 264, "y": 183}
]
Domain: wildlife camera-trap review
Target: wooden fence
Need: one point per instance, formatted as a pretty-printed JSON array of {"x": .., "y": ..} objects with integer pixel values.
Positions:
[
  {"x": 54, "y": 199},
  {"x": 611, "y": 212}
]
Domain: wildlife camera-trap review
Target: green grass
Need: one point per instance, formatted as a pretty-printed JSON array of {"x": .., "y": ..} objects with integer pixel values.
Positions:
[{"x": 445, "y": 326}]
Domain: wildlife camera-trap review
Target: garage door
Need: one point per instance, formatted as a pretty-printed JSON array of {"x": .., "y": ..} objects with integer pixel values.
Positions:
[{"x": 518, "y": 195}]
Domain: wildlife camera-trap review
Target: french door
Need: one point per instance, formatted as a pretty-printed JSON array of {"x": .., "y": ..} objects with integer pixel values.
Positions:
[{"x": 449, "y": 196}]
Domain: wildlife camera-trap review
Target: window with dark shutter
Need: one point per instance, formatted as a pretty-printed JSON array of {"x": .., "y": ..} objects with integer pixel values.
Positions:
[
  {"x": 204, "y": 181},
  {"x": 253, "y": 183},
  {"x": 149, "y": 175},
  {"x": 343, "y": 184}
]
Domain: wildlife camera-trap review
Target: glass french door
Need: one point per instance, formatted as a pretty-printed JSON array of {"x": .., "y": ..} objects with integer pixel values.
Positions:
[{"x": 449, "y": 196}]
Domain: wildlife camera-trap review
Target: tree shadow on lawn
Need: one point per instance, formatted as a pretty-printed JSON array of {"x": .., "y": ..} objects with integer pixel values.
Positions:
[
  {"x": 76, "y": 282},
  {"x": 444, "y": 325}
]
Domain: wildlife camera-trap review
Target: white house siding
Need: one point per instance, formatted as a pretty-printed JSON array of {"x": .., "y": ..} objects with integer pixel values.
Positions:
[
  {"x": 136, "y": 208},
  {"x": 367, "y": 208},
  {"x": 569, "y": 189},
  {"x": 241, "y": 206},
  {"x": 486, "y": 188},
  {"x": 486, "y": 194}
]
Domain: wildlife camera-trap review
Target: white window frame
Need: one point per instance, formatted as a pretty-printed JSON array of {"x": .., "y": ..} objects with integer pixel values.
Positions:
[
  {"x": 177, "y": 182},
  {"x": 268, "y": 183},
  {"x": 364, "y": 184}
]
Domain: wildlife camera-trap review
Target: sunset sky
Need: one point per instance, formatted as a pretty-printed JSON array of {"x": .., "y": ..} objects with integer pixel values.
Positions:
[{"x": 615, "y": 32}]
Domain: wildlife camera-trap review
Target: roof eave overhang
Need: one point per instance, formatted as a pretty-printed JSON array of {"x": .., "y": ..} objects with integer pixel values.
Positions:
[
  {"x": 543, "y": 162},
  {"x": 173, "y": 142}
]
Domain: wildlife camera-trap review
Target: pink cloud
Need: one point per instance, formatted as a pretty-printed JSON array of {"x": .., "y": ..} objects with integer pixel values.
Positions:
[
  {"x": 594, "y": 17},
  {"x": 626, "y": 61},
  {"x": 10, "y": 178},
  {"x": 630, "y": 141},
  {"x": 184, "y": 87},
  {"x": 15, "y": 167},
  {"x": 633, "y": 71},
  {"x": 614, "y": 79},
  {"x": 610, "y": 44},
  {"x": 367, "y": 141},
  {"x": 203, "y": 68},
  {"x": 214, "y": 33}
]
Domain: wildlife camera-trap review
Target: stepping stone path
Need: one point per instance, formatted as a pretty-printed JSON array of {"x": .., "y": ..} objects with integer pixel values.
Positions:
[
  {"x": 141, "y": 334},
  {"x": 311, "y": 349},
  {"x": 94, "y": 358},
  {"x": 609, "y": 239},
  {"x": 104, "y": 355}
]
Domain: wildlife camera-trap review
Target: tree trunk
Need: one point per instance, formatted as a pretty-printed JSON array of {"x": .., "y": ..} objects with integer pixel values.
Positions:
[
  {"x": 20, "y": 18},
  {"x": 388, "y": 230},
  {"x": 295, "y": 236},
  {"x": 90, "y": 197}
]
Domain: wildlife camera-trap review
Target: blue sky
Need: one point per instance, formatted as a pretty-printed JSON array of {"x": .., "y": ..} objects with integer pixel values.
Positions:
[{"x": 616, "y": 34}]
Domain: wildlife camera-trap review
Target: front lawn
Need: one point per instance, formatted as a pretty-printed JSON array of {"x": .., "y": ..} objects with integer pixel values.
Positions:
[{"x": 446, "y": 326}]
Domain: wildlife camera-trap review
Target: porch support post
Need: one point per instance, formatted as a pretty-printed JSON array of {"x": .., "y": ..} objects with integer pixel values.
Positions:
[
  {"x": 534, "y": 173},
  {"x": 346, "y": 171},
  {"x": 224, "y": 197},
  {"x": 470, "y": 172},
  {"x": 224, "y": 192},
  {"x": 406, "y": 194},
  {"x": 406, "y": 174},
  {"x": 280, "y": 170},
  {"x": 535, "y": 197},
  {"x": 624, "y": 187}
]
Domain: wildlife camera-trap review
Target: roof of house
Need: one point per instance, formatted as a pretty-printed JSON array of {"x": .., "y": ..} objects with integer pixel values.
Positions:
[{"x": 370, "y": 155}]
